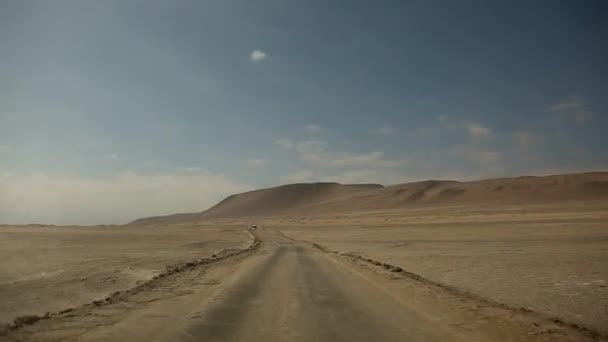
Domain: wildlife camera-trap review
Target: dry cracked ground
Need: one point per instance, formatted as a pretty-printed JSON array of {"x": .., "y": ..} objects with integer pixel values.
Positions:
[{"x": 308, "y": 281}]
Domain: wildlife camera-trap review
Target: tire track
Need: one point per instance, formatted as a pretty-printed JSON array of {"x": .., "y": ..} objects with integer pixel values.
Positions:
[{"x": 562, "y": 325}]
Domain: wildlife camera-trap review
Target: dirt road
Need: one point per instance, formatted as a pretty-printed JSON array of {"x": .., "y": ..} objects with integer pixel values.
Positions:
[{"x": 288, "y": 290}]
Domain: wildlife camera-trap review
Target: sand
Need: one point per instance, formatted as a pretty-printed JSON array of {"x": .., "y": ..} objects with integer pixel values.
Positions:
[
  {"x": 47, "y": 269},
  {"x": 555, "y": 264},
  {"x": 539, "y": 243},
  {"x": 280, "y": 289},
  {"x": 320, "y": 199}
]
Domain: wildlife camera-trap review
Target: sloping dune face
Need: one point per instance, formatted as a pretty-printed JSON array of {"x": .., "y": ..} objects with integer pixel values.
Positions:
[
  {"x": 333, "y": 198},
  {"x": 285, "y": 199}
]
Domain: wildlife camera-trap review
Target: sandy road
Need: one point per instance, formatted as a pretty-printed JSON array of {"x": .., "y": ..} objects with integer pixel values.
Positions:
[
  {"x": 295, "y": 293},
  {"x": 289, "y": 291}
]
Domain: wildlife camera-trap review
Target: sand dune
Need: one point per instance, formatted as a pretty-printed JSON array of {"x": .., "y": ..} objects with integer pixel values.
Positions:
[{"x": 334, "y": 198}]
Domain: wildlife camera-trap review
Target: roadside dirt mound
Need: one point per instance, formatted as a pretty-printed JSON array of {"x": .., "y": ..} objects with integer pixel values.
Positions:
[{"x": 334, "y": 198}]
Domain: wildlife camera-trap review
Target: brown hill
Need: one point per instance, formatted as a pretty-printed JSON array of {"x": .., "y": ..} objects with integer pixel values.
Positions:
[
  {"x": 331, "y": 198},
  {"x": 279, "y": 200}
]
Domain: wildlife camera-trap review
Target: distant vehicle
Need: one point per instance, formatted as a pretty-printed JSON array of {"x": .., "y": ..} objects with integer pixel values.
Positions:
[{"x": 253, "y": 227}]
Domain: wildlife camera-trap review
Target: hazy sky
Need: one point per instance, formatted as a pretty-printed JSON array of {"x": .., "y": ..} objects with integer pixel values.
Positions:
[{"x": 114, "y": 110}]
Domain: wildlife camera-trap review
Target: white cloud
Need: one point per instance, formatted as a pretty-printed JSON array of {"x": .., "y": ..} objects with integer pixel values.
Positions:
[
  {"x": 477, "y": 130},
  {"x": 256, "y": 162},
  {"x": 385, "y": 130},
  {"x": 444, "y": 123},
  {"x": 297, "y": 176},
  {"x": 312, "y": 128},
  {"x": 192, "y": 169},
  {"x": 317, "y": 152},
  {"x": 572, "y": 108},
  {"x": 284, "y": 143},
  {"x": 111, "y": 156},
  {"x": 311, "y": 150},
  {"x": 257, "y": 56},
  {"x": 40, "y": 198}
]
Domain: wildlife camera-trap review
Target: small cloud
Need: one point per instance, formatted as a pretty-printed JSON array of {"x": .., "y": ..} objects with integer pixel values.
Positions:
[
  {"x": 445, "y": 123},
  {"x": 312, "y": 128},
  {"x": 191, "y": 169},
  {"x": 111, "y": 156},
  {"x": 386, "y": 130},
  {"x": 256, "y": 162},
  {"x": 570, "y": 102},
  {"x": 572, "y": 108},
  {"x": 257, "y": 56},
  {"x": 476, "y": 130},
  {"x": 284, "y": 143},
  {"x": 311, "y": 150},
  {"x": 319, "y": 153}
]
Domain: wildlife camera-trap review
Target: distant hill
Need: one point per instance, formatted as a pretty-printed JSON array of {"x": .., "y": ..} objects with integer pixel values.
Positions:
[
  {"x": 329, "y": 198},
  {"x": 283, "y": 199}
]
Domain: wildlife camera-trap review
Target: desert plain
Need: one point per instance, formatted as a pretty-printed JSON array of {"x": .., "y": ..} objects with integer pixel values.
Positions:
[{"x": 509, "y": 259}]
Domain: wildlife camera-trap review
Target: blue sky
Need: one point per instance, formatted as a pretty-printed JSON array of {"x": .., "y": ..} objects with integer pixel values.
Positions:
[{"x": 112, "y": 110}]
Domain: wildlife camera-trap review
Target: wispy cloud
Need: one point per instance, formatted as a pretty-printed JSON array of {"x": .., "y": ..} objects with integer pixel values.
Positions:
[
  {"x": 41, "y": 198},
  {"x": 256, "y": 162},
  {"x": 319, "y": 153},
  {"x": 312, "y": 128},
  {"x": 477, "y": 130},
  {"x": 384, "y": 130},
  {"x": 284, "y": 143},
  {"x": 111, "y": 156},
  {"x": 257, "y": 56},
  {"x": 445, "y": 123},
  {"x": 572, "y": 108},
  {"x": 311, "y": 150},
  {"x": 570, "y": 102}
]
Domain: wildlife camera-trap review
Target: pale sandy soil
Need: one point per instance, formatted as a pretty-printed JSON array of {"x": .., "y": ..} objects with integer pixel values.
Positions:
[
  {"x": 52, "y": 268},
  {"x": 287, "y": 290},
  {"x": 551, "y": 261},
  {"x": 535, "y": 243}
]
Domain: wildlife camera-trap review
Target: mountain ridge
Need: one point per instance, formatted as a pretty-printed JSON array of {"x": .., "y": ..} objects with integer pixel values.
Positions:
[{"x": 328, "y": 197}]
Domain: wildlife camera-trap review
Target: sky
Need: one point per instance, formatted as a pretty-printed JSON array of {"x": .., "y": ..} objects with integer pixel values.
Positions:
[{"x": 118, "y": 109}]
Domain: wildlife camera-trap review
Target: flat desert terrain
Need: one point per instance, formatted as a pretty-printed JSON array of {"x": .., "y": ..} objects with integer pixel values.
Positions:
[
  {"x": 520, "y": 259},
  {"x": 555, "y": 264},
  {"x": 47, "y": 269}
]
